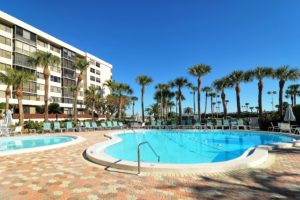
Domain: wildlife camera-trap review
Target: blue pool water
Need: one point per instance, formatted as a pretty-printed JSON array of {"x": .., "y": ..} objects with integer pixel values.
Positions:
[
  {"x": 14, "y": 143},
  {"x": 186, "y": 147}
]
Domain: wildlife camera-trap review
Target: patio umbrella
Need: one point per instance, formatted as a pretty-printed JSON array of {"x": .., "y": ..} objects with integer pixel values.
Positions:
[
  {"x": 289, "y": 115},
  {"x": 8, "y": 118}
]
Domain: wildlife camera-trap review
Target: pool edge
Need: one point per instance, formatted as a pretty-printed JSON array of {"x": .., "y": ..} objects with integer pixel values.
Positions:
[{"x": 258, "y": 156}]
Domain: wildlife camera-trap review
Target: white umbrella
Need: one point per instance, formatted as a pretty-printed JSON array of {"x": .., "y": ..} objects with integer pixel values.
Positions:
[
  {"x": 8, "y": 117},
  {"x": 289, "y": 115}
]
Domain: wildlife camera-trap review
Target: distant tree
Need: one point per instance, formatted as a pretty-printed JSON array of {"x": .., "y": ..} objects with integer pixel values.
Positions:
[
  {"x": 188, "y": 111},
  {"x": 207, "y": 90},
  {"x": 54, "y": 108},
  {"x": 179, "y": 83},
  {"x": 260, "y": 73},
  {"x": 199, "y": 70},
  {"x": 133, "y": 100},
  {"x": 143, "y": 81},
  {"x": 283, "y": 74}
]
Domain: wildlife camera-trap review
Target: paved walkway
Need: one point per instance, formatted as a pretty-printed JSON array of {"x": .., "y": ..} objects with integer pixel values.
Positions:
[{"x": 64, "y": 174}]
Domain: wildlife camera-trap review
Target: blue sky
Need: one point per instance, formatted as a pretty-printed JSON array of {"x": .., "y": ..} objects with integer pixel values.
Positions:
[{"x": 163, "y": 38}]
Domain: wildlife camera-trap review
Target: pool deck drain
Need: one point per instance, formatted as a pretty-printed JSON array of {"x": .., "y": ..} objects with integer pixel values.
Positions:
[{"x": 63, "y": 174}]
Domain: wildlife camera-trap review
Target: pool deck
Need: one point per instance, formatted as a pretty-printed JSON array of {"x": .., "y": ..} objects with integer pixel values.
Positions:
[{"x": 63, "y": 173}]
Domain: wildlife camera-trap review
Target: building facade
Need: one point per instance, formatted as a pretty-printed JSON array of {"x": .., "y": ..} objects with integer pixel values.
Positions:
[{"x": 19, "y": 40}]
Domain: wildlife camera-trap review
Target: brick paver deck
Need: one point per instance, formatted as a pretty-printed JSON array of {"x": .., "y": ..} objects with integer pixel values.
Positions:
[{"x": 64, "y": 174}]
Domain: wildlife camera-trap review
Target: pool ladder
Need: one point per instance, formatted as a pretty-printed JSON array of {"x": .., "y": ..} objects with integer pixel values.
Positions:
[{"x": 139, "y": 154}]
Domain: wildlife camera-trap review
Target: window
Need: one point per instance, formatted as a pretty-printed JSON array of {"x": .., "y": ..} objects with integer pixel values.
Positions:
[
  {"x": 69, "y": 54},
  {"x": 4, "y": 66},
  {"x": 55, "y": 69},
  {"x": 42, "y": 44},
  {"x": 68, "y": 73},
  {"x": 5, "y": 28},
  {"x": 55, "y": 89},
  {"x": 97, "y": 64},
  {"x": 67, "y": 64},
  {"x": 55, "y": 79},
  {"x": 98, "y": 72},
  {"x": 98, "y": 80},
  {"x": 92, "y": 78},
  {"x": 23, "y": 48},
  {"x": 22, "y": 60},
  {"x": 39, "y": 75},
  {"x": 25, "y": 35},
  {"x": 40, "y": 87},
  {"x": 68, "y": 82},
  {"x": 55, "y": 49},
  {"x": 40, "y": 98},
  {"x": 5, "y": 40},
  {"x": 56, "y": 99},
  {"x": 5, "y": 54},
  {"x": 92, "y": 70},
  {"x": 29, "y": 87}
]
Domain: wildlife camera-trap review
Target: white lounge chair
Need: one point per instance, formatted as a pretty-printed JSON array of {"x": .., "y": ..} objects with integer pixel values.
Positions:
[
  {"x": 284, "y": 127},
  {"x": 18, "y": 129},
  {"x": 273, "y": 128}
]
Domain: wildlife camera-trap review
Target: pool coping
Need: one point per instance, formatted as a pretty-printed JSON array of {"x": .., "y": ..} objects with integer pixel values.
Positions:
[
  {"x": 252, "y": 157},
  {"x": 77, "y": 140}
]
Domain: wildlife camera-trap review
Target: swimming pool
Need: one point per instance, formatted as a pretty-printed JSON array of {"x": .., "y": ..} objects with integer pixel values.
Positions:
[
  {"x": 11, "y": 144},
  {"x": 190, "y": 146}
]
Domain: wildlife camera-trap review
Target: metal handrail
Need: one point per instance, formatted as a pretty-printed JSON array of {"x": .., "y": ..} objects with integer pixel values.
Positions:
[
  {"x": 139, "y": 154},
  {"x": 107, "y": 136}
]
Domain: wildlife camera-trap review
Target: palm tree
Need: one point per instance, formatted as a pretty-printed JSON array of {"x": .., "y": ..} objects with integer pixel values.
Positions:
[
  {"x": 188, "y": 111},
  {"x": 153, "y": 109},
  {"x": 293, "y": 91},
  {"x": 45, "y": 59},
  {"x": 121, "y": 89},
  {"x": 133, "y": 100},
  {"x": 91, "y": 95},
  {"x": 207, "y": 90},
  {"x": 237, "y": 77},
  {"x": 247, "y": 105},
  {"x": 179, "y": 83},
  {"x": 143, "y": 81},
  {"x": 163, "y": 88},
  {"x": 283, "y": 74},
  {"x": 212, "y": 96},
  {"x": 8, "y": 78},
  {"x": 194, "y": 89},
  {"x": 21, "y": 78},
  {"x": 260, "y": 73},
  {"x": 199, "y": 71},
  {"x": 220, "y": 85},
  {"x": 81, "y": 65},
  {"x": 251, "y": 108}
]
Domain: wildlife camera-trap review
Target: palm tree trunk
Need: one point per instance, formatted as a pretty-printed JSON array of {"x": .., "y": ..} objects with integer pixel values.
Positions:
[
  {"x": 180, "y": 111},
  {"x": 143, "y": 92},
  {"x": 120, "y": 107},
  {"x": 206, "y": 98},
  {"x": 176, "y": 109},
  {"x": 280, "y": 109},
  {"x": 7, "y": 96},
  {"x": 93, "y": 108},
  {"x": 132, "y": 108},
  {"x": 238, "y": 100},
  {"x": 223, "y": 96},
  {"x": 295, "y": 97},
  {"x": 199, "y": 98},
  {"x": 194, "y": 102},
  {"x": 46, "y": 77},
  {"x": 292, "y": 100},
  {"x": 19, "y": 94},
  {"x": 211, "y": 106},
  {"x": 260, "y": 89}
]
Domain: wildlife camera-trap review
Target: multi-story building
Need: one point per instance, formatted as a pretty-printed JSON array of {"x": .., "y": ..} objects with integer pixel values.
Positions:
[{"x": 19, "y": 40}]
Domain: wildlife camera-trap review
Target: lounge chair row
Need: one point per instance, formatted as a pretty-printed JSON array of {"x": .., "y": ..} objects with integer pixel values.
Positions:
[
  {"x": 87, "y": 126},
  {"x": 188, "y": 124}
]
